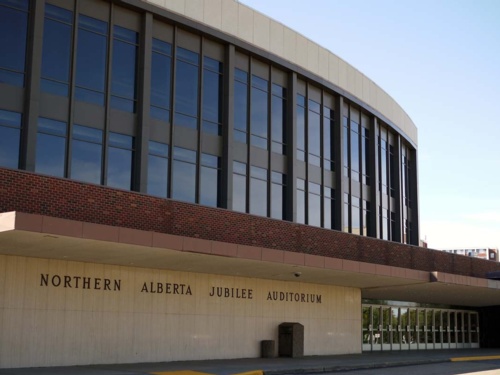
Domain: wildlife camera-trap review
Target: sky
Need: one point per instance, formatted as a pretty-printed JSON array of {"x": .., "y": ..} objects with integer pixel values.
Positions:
[{"x": 440, "y": 60}]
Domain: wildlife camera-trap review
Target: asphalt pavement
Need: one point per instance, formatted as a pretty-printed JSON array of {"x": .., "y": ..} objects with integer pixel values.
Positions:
[{"x": 273, "y": 366}]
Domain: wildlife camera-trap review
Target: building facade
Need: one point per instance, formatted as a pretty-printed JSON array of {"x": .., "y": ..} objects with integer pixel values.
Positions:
[{"x": 179, "y": 178}]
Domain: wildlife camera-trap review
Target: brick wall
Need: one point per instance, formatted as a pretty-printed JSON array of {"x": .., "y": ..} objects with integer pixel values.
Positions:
[{"x": 31, "y": 193}]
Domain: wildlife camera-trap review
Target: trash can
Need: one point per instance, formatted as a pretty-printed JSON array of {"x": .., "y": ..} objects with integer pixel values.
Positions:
[
  {"x": 291, "y": 340},
  {"x": 267, "y": 349}
]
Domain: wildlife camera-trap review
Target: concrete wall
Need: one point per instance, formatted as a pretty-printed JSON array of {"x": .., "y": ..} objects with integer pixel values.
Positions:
[{"x": 55, "y": 312}]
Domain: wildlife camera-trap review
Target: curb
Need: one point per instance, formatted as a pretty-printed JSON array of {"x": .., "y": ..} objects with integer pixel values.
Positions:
[{"x": 319, "y": 370}]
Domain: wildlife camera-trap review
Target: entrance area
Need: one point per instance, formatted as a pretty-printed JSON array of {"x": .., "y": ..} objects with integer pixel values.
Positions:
[{"x": 412, "y": 328}]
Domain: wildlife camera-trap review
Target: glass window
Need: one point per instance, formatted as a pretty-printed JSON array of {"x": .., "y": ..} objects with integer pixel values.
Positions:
[
  {"x": 301, "y": 201},
  {"x": 210, "y": 176},
  {"x": 86, "y": 154},
  {"x": 329, "y": 208},
  {"x": 355, "y": 216},
  {"x": 278, "y": 119},
  {"x": 161, "y": 71},
  {"x": 259, "y": 113},
  {"x": 345, "y": 146},
  {"x": 124, "y": 70},
  {"x": 10, "y": 138},
  {"x": 186, "y": 88},
  {"x": 51, "y": 147},
  {"x": 91, "y": 60},
  {"x": 278, "y": 194},
  {"x": 212, "y": 96},
  {"x": 345, "y": 224},
  {"x": 240, "y": 106},
  {"x": 56, "y": 57},
  {"x": 258, "y": 191},
  {"x": 158, "y": 169},
  {"x": 314, "y": 135},
  {"x": 184, "y": 175},
  {"x": 120, "y": 161},
  {"x": 239, "y": 186},
  {"x": 366, "y": 230},
  {"x": 354, "y": 151},
  {"x": 301, "y": 127},
  {"x": 328, "y": 133},
  {"x": 383, "y": 165},
  {"x": 13, "y": 34},
  {"x": 314, "y": 205},
  {"x": 365, "y": 157}
]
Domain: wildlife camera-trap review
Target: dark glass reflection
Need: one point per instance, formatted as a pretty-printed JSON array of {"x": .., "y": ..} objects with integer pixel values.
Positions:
[
  {"x": 158, "y": 169},
  {"x": 301, "y": 201},
  {"x": 51, "y": 147},
  {"x": 123, "y": 75},
  {"x": 57, "y": 39},
  {"x": 240, "y": 111},
  {"x": 314, "y": 205},
  {"x": 212, "y": 96},
  {"x": 258, "y": 191},
  {"x": 278, "y": 205},
  {"x": 161, "y": 71},
  {"x": 355, "y": 157},
  {"x": 91, "y": 60},
  {"x": 210, "y": 176},
  {"x": 10, "y": 136},
  {"x": 314, "y": 135},
  {"x": 239, "y": 186},
  {"x": 86, "y": 154},
  {"x": 186, "y": 83},
  {"x": 301, "y": 128},
  {"x": 184, "y": 175},
  {"x": 278, "y": 119},
  {"x": 328, "y": 132},
  {"x": 259, "y": 112},
  {"x": 13, "y": 33},
  {"x": 120, "y": 158}
]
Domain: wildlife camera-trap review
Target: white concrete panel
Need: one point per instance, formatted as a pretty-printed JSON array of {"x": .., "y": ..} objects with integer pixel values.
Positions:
[
  {"x": 343, "y": 74},
  {"x": 159, "y": 315},
  {"x": 261, "y": 30},
  {"x": 358, "y": 84},
  {"x": 245, "y": 23},
  {"x": 178, "y": 6},
  {"x": 323, "y": 62},
  {"x": 302, "y": 45},
  {"x": 351, "y": 80},
  {"x": 194, "y": 9},
  {"x": 313, "y": 57},
  {"x": 212, "y": 13},
  {"x": 230, "y": 17},
  {"x": 333, "y": 69},
  {"x": 277, "y": 38},
  {"x": 290, "y": 44}
]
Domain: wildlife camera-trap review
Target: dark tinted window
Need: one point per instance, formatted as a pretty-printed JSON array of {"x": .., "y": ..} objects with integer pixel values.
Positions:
[
  {"x": 120, "y": 159},
  {"x": 186, "y": 90},
  {"x": 258, "y": 191},
  {"x": 259, "y": 112},
  {"x": 57, "y": 39},
  {"x": 86, "y": 154},
  {"x": 123, "y": 75},
  {"x": 13, "y": 33},
  {"x": 184, "y": 175},
  {"x": 240, "y": 106},
  {"x": 10, "y": 136},
  {"x": 158, "y": 169},
  {"x": 239, "y": 186},
  {"x": 212, "y": 96},
  {"x": 210, "y": 175},
  {"x": 161, "y": 71},
  {"x": 91, "y": 60},
  {"x": 51, "y": 147}
]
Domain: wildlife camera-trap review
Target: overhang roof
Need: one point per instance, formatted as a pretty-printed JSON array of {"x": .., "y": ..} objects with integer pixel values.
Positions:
[{"x": 47, "y": 237}]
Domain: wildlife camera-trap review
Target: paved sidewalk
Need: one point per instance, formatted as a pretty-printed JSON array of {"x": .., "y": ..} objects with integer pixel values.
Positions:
[{"x": 271, "y": 366}]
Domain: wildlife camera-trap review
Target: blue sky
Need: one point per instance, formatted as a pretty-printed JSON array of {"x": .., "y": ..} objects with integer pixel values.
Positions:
[{"x": 440, "y": 60}]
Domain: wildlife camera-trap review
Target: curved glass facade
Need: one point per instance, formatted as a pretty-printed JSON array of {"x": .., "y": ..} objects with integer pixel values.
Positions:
[{"x": 125, "y": 98}]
